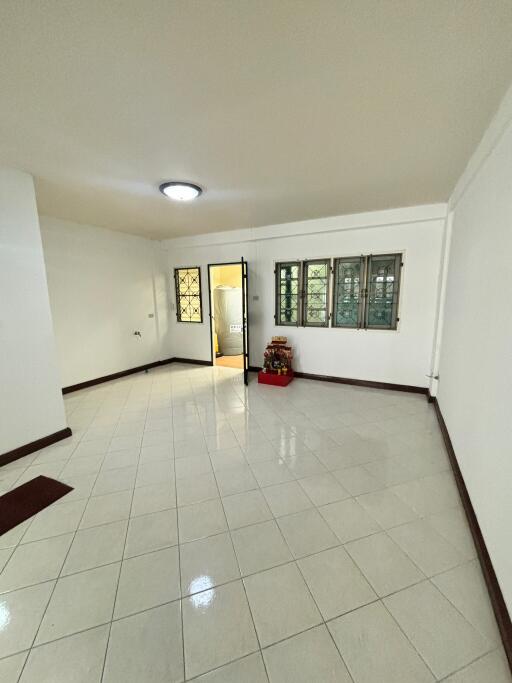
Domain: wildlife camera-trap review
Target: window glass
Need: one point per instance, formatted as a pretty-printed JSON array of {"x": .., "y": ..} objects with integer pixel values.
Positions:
[
  {"x": 288, "y": 290},
  {"x": 348, "y": 279},
  {"x": 188, "y": 295},
  {"x": 316, "y": 293}
]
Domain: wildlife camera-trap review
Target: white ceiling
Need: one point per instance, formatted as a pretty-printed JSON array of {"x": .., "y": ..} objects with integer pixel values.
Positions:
[{"x": 282, "y": 109}]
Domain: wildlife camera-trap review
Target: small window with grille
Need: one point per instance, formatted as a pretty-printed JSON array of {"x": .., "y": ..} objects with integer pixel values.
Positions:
[
  {"x": 317, "y": 275},
  {"x": 188, "y": 295},
  {"x": 288, "y": 277},
  {"x": 366, "y": 291}
]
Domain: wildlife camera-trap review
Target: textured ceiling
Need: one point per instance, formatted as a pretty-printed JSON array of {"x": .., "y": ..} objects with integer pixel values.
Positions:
[{"x": 282, "y": 109}]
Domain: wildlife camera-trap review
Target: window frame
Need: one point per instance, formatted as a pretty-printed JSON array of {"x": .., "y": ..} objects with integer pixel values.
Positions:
[
  {"x": 179, "y": 295},
  {"x": 362, "y": 283},
  {"x": 398, "y": 258},
  {"x": 277, "y": 313},
  {"x": 304, "y": 292},
  {"x": 364, "y": 291}
]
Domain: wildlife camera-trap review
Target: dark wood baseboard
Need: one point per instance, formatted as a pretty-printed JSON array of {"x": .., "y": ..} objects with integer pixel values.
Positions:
[
  {"x": 355, "y": 382},
  {"x": 191, "y": 361},
  {"x": 115, "y": 375},
  {"x": 33, "y": 446},
  {"x": 496, "y": 596}
]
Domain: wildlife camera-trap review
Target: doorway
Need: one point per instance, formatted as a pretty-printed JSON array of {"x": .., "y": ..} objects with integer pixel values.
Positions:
[{"x": 227, "y": 284}]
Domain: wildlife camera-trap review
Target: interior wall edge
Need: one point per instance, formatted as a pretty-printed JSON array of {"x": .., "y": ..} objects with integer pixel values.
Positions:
[
  {"x": 493, "y": 586},
  {"x": 33, "y": 446}
]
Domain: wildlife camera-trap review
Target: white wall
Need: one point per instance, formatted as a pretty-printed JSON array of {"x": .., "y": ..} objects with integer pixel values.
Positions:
[
  {"x": 475, "y": 387},
  {"x": 31, "y": 405},
  {"x": 402, "y": 356},
  {"x": 103, "y": 286}
]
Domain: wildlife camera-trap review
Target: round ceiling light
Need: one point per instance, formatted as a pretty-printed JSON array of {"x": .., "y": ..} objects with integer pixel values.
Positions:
[{"x": 180, "y": 191}]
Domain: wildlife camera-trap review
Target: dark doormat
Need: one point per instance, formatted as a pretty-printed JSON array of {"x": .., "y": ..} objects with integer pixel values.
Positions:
[{"x": 26, "y": 500}]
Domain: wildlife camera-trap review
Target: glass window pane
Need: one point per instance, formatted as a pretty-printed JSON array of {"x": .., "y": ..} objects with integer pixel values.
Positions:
[
  {"x": 188, "y": 295},
  {"x": 287, "y": 304},
  {"x": 316, "y": 294},
  {"x": 348, "y": 274},
  {"x": 383, "y": 288}
]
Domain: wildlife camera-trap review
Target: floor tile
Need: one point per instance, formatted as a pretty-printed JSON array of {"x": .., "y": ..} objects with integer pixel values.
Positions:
[
  {"x": 104, "y": 509},
  {"x": 217, "y": 628},
  {"x": 226, "y": 458},
  {"x": 284, "y": 499},
  {"x": 452, "y": 525},
  {"x": 5, "y": 554},
  {"x": 271, "y": 472},
  {"x": 196, "y": 489},
  {"x": 323, "y": 489},
  {"x": 236, "y": 480},
  {"x": 13, "y": 537},
  {"x": 155, "y": 473},
  {"x": 375, "y": 650},
  {"x": 305, "y": 465},
  {"x": 384, "y": 564},
  {"x": 20, "y": 614},
  {"x": 140, "y": 448},
  {"x": 148, "y": 581},
  {"x": 10, "y": 667},
  {"x": 80, "y": 601},
  {"x": 429, "y": 620},
  {"x": 111, "y": 481},
  {"x": 259, "y": 547},
  {"x": 281, "y": 604},
  {"x": 153, "y": 498},
  {"x": 492, "y": 667},
  {"x": 55, "y": 520},
  {"x": 349, "y": 520},
  {"x": 82, "y": 487},
  {"x": 35, "y": 562},
  {"x": 207, "y": 562},
  {"x": 158, "y": 453},
  {"x": 78, "y": 658},
  {"x": 335, "y": 581},
  {"x": 192, "y": 467},
  {"x": 309, "y": 656},
  {"x": 201, "y": 520},
  {"x": 95, "y": 547},
  {"x": 357, "y": 480},
  {"x": 250, "y": 669},
  {"x": 146, "y": 647},
  {"x": 430, "y": 551},
  {"x": 336, "y": 458},
  {"x": 465, "y": 588},
  {"x": 246, "y": 508},
  {"x": 307, "y": 532},
  {"x": 151, "y": 532},
  {"x": 119, "y": 443},
  {"x": 386, "y": 508}
]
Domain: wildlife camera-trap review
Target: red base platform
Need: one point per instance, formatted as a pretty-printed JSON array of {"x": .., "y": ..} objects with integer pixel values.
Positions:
[{"x": 274, "y": 378}]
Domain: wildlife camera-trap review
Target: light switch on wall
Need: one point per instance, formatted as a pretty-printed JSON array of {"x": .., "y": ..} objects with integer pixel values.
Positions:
[{"x": 151, "y": 315}]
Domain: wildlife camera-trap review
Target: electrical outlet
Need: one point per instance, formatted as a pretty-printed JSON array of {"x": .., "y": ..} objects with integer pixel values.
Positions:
[{"x": 151, "y": 315}]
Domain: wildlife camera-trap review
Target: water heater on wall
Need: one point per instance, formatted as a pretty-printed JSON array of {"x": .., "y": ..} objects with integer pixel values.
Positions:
[{"x": 227, "y": 306}]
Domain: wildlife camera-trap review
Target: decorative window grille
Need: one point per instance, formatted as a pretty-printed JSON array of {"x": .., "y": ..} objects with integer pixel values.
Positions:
[
  {"x": 382, "y": 289},
  {"x": 365, "y": 292},
  {"x": 188, "y": 295},
  {"x": 317, "y": 275},
  {"x": 288, "y": 277},
  {"x": 348, "y": 285}
]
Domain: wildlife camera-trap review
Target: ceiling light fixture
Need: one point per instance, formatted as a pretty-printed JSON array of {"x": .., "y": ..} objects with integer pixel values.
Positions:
[{"x": 180, "y": 191}]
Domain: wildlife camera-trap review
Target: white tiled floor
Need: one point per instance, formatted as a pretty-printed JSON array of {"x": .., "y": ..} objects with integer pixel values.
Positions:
[{"x": 311, "y": 534}]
